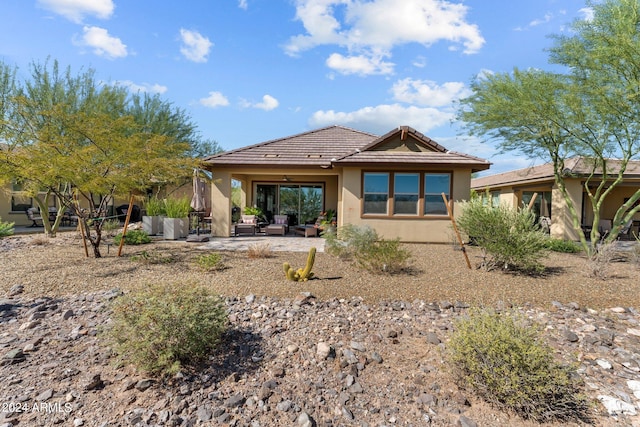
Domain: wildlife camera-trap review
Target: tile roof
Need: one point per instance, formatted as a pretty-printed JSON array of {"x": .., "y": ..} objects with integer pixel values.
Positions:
[
  {"x": 314, "y": 148},
  {"x": 341, "y": 146},
  {"x": 576, "y": 166}
]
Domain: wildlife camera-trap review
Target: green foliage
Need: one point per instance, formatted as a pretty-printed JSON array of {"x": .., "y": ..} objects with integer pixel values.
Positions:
[
  {"x": 302, "y": 274},
  {"x": 503, "y": 359},
  {"x": 177, "y": 207},
  {"x": 509, "y": 237},
  {"x": 210, "y": 262},
  {"x": 133, "y": 237},
  {"x": 252, "y": 210},
  {"x": 163, "y": 328},
  {"x": 560, "y": 245},
  {"x": 6, "y": 228},
  {"x": 367, "y": 249},
  {"x": 155, "y": 206}
]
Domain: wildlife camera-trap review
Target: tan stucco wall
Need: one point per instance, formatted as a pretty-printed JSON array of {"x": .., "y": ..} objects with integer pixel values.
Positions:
[{"x": 407, "y": 230}]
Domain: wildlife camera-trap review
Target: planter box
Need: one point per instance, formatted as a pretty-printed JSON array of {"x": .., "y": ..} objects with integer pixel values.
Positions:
[
  {"x": 152, "y": 225},
  {"x": 175, "y": 228}
]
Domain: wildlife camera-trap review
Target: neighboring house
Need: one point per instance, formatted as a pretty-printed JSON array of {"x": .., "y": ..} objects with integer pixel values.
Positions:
[
  {"x": 392, "y": 183},
  {"x": 516, "y": 188}
]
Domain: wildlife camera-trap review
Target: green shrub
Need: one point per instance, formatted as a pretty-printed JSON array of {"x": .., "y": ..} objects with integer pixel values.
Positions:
[
  {"x": 6, "y": 228},
  {"x": 163, "y": 328},
  {"x": 508, "y": 237},
  {"x": 210, "y": 262},
  {"x": 560, "y": 245},
  {"x": 502, "y": 359},
  {"x": 133, "y": 237},
  {"x": 367, "y": 249}
]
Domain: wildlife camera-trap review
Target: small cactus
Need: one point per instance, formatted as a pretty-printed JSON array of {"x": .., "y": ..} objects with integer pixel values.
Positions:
[{"x": 302, "y": 274}]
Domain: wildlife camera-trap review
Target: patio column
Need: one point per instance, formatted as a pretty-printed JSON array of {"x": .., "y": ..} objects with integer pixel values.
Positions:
[
  {"x": 221, "y": 204},
  {"x": 561, "y": 221}
]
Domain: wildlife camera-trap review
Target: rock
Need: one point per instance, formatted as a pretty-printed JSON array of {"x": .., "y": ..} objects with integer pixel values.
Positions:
[
  {"x": 284, "y": 406},
  {"x": 570, "y": 336},
  {"x": 13, "y": 356},
  {"x": 45, "y": 395},
  {"x": 358, "y": 346},
  {"x": 93, "y": 383},
  {"x": 304, "y": 420},
  {"x": 144, "y": 384},
  {"x": 234, "y": 401},
  {"x": 323, "y": 350},
  {"x": 616, "y": 406},
  {"x": 466, "y": 422},
  {"x": 204, "y": 414},
  {"x": 15, "y": 290},
  {"x": 68, "y": 314},
  {"x": 77, "y": 422},
  {"x": 432, "y": 338},
  {"x": 604, "y": 364}
]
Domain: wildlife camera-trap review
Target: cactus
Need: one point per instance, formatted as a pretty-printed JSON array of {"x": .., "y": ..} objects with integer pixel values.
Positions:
[{"x": 302, "y": 274}]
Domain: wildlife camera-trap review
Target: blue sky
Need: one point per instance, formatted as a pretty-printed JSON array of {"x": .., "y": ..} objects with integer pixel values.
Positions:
[{"x": 248, "y": 71}]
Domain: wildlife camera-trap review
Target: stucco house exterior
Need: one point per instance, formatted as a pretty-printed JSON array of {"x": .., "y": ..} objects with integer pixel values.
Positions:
[
  {"x": 516, "y": 188},
  {"x": 392, "y": 183}
]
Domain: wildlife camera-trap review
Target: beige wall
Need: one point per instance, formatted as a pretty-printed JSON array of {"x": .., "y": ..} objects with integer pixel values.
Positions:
[{"x": 437, "y": 230}]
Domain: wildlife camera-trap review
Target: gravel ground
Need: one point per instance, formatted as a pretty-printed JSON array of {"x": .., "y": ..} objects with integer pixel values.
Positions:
[{"x": 58, "y": 267}]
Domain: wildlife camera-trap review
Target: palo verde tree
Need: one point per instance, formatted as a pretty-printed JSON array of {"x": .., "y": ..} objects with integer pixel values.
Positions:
[
  {"x": 78, "y": 141},
  {"x": 590, "y": 111}
]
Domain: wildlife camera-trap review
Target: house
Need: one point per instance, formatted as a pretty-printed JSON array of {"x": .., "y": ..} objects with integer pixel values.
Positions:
[
  {"x": 393, "y": 183},
  {"x": 516, "y": 188}
]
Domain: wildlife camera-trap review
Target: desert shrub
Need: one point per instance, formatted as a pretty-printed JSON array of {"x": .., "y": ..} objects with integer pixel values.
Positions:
[
  {"x": 163, "y": 328},
  {"x": 363, "y": 245},
  {"x": 599, "y": 263},
  {"x": 133, "y": 237},
  {"x": 503, "y": 359},
  {"x": 508, "y": 237},
  {"x": 153, "y": 257},
  {"x": 560, "y": 245},
  {"x": 6, "y": 228},
  {"x": 210, "y": 262},
  {"x": 110, "y": 228},
  {"x": 259, "y": 250}
]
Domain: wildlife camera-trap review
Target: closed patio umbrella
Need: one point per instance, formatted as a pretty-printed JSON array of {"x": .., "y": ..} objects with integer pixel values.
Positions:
[{"x": 198, "y": 203}]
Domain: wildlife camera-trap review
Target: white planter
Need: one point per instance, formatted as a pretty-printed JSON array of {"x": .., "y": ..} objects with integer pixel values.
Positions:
[
  {"x": 175, "y": 228},
  {"x": 152, "y": 225}
]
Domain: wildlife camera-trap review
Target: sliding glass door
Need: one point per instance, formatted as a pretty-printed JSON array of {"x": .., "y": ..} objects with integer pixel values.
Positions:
[{"x": 301, "y": 202}]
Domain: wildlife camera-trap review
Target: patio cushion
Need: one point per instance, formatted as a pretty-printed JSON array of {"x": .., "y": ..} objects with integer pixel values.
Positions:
[{"x": 280, "y": 219}]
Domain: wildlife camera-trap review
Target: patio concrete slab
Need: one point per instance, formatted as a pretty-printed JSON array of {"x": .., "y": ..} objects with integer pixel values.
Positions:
[{"x": 276, "y": 243}]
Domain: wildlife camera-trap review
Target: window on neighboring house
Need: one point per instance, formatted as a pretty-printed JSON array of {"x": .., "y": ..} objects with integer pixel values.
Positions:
[
  {"x": 376, "y": 193},
  {"x": 434, "y": 185},
  {"x": 406, "y": 192},
  {"x": 19, "y": 202}
]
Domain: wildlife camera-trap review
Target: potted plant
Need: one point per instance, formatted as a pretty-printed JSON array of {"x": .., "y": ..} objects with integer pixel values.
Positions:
[
  {"x": 328, "y": 222},
  {"x": 152, "y": 222},
  {"x": 176, "y": 224}
]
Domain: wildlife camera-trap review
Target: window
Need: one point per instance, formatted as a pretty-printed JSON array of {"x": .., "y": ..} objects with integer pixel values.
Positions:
[
  {"x": 376, "y": 193},
  {"x": 410, "y": 193},
  {"x": 406, "y": 192},
  {"x": 19, "y": 202},
  {"x": 434, "y": 185}
]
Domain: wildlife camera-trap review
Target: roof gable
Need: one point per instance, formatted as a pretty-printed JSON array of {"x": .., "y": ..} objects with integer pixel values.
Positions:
[{"x": 405, "y": 139}]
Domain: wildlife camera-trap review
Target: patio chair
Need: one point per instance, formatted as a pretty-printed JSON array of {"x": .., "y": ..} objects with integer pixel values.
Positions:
[
  {"x": 279, "y": 227},
  {"x": 31, "y": 214},
  {"x": 247, "y": 225}
]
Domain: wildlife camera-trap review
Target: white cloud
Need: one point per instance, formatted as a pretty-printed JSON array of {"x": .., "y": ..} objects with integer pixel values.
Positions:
[
  {"x": 242, "y": 4},
  {"x": 428, "y": 93},
  {"x": 268, "y": 103},
  {"x": 374, "y": 28},
  {"x": 195, "y": 47},
  {"x": 382, "y": 118},
  {"x": 536, "y": 22},
  {"x": 102, "y": 43},
  {"x": 587, "y": 13},
  {"x": 75, "y": 10},
  {"x": 361, "y": 65},
  {"x": 144, "y": 87},
  {"x": 215, "y": 99}
]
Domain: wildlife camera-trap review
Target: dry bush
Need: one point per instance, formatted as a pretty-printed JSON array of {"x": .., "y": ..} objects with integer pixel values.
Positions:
[
  {"x": 598, "y": 265},
  {"x": 259, "y": 250},
  {"x": 40, "y": 240}
]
